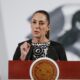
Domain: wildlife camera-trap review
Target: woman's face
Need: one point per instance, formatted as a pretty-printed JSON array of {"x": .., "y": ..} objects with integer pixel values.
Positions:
[{"x": 39, "y": 25}]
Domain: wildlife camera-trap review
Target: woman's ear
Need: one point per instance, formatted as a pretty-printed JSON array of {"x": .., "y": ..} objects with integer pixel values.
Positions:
[{"x": 49, "y": 27}]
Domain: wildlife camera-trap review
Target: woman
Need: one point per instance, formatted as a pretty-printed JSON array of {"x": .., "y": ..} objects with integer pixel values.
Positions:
[{"x": 40, "y": 45}]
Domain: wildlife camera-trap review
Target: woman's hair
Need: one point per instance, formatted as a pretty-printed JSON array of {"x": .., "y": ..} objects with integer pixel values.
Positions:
[{"x": 47, "y": 16}]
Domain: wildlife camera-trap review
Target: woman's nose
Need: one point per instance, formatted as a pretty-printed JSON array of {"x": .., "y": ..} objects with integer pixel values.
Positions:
[{"x": 37, "y": 25}]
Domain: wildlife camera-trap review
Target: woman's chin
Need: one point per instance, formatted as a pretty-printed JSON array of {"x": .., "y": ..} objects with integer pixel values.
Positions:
[{"x": 36, "y": 36}]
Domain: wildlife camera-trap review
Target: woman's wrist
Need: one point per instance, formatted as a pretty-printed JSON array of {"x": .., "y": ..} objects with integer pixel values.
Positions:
[{"x": 22, "y": 57}]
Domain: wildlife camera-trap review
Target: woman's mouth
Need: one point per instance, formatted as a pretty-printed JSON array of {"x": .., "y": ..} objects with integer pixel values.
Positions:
[{"x": 36, "y": 32}]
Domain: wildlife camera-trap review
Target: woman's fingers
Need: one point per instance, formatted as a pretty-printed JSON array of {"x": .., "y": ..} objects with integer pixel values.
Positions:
[{"x": 25, "y": 47}]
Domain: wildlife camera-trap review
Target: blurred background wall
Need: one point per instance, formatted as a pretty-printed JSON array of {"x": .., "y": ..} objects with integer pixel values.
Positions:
[
  {"x": 3, "y": 49},
  {"x": 15, "y": 26}
]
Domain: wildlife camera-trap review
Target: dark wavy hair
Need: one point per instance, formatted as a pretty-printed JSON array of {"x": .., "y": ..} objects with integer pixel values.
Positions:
[{"x": 47, "y": 16}]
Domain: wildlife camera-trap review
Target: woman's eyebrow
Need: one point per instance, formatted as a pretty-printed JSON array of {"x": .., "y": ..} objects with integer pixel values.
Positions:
[
  {"x": 34, "y": 20},
  {"x": 42, "y": 21}
]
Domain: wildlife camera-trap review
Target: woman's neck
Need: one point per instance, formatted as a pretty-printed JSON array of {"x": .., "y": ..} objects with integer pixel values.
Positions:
[{"x": 40, "y": 40}]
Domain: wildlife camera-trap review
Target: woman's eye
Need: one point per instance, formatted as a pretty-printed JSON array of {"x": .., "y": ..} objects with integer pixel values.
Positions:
[
  {"x": 34, "y": 22},
  {"x": 41, "y": 23}
]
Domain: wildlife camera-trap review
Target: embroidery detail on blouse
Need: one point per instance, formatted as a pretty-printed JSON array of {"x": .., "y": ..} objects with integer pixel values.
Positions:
[{"x": 40, "y": 49}]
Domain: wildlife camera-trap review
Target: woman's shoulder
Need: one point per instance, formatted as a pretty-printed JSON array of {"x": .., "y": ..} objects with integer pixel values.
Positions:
[
  {"x": 28, "y": 41},
  {"x": 55, "y": 43}
]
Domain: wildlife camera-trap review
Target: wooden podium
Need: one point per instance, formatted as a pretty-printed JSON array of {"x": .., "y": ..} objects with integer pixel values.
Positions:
[{"x": 20, "y": 70}]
